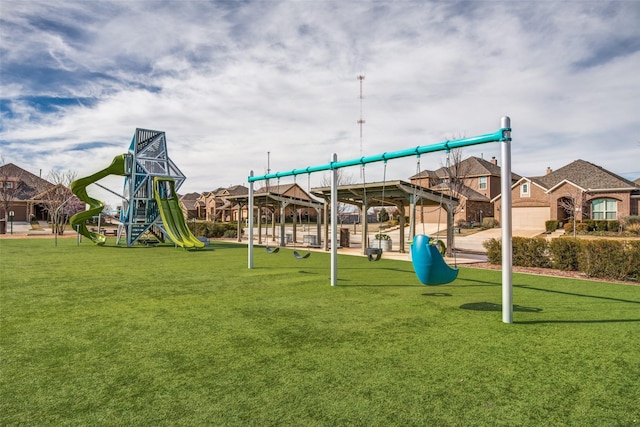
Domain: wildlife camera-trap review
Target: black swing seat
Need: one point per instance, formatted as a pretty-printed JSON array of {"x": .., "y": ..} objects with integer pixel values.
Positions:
[
  {"x": 301, "y": 256},
  {"x": 273, "y": 250},
  {"x": 373, "y": 254}
]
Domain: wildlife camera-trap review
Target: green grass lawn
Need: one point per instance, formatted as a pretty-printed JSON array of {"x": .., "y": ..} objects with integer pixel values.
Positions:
[{"x": 161, "y": 336}]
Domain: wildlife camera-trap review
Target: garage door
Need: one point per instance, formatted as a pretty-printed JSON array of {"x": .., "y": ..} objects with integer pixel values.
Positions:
[{"x": 530, "y": 218}]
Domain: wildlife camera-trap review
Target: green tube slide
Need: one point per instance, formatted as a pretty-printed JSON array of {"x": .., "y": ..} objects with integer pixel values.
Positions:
[
  {"x": 171, "y": 213},
  {"x": 79, "y": 188}
]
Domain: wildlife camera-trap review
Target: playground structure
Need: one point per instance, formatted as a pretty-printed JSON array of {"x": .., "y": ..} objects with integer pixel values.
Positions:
[
  {"x": 434, "y": 269},
  {"x": 150, "y": 205}
]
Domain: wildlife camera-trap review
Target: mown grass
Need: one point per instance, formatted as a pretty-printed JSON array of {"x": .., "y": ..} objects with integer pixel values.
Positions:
[{"x": 160, "y": 336}]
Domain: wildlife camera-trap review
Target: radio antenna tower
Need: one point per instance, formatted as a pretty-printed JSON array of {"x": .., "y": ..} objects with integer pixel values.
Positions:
[{"x": 361, "y": 120}]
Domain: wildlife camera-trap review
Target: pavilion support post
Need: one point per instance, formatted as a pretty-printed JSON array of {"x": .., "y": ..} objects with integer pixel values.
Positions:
[
  {"x": 259, "y": 223},
  {"x": 365, "y": 227},
  {"x": 318, "y": 226},
  {"x": 283, "y": 223},
  {"x": 325, "y": 217},
  {"x": 401, "y": 224},
  {"x": 449, "y": 211},
  {"x": 295, "y": 225},
  {"x": 273, "y": 224}
]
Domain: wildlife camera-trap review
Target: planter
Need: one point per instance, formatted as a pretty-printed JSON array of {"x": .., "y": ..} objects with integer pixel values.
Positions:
[{"x": 385, "y": 245}]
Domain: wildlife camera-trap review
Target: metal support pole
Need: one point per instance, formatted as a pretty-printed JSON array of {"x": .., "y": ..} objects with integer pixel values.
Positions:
[
  {"x": 334, "y": 223},
  {"x": 250, "y": 244},
  {"x": 507, "y": 244}
]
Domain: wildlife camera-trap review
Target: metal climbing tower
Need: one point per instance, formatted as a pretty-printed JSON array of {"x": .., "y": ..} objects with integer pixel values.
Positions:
[{"x": 147, "y": 158}]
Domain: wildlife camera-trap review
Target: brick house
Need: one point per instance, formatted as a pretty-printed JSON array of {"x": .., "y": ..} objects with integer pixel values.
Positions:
[
  {"x": 594, "y": 191},
  {"x": 189, "y": 203},
  {"x": 480, "y": 184},
  {"x": 22, "y": 192},
  {"x": 214, "y": 205}
]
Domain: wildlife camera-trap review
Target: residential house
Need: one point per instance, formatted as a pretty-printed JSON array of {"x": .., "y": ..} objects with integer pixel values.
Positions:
[
  {"x": 291, "y": 192},
  {"x": 190, "y": 203},
  {"x": 474, "y": 181},
  {"x": 588, "y": 189},
  {"x": 22, "y": 193},
  {"x": 214, "y": 206}
]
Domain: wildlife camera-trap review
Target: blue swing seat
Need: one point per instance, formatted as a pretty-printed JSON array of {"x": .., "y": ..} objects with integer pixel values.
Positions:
[{"x": 428, "y": 263}]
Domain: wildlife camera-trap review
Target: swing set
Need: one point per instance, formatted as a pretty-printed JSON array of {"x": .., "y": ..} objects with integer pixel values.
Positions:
[
  {"x": 296, "y": 253},
  {"x": 430, "y": 267}
]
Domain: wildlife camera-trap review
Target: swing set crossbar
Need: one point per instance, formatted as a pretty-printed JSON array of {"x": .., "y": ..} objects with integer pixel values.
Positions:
[{"x": 504, "y": 134}]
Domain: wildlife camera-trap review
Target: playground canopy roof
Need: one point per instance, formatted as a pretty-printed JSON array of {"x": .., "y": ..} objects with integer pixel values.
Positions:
[{"x": 396, "y": 193}]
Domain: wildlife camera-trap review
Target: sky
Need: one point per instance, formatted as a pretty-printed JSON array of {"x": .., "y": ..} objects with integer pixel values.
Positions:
[{"x": 257, "y": 85}]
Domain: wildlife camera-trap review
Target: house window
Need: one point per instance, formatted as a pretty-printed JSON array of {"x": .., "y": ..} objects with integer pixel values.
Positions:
[
  {"x": 482, "y": 183},
  {"x": 524, "y": 189},
  {"x": 604, "y": 209},
  {"x": 8, "y": 185}
]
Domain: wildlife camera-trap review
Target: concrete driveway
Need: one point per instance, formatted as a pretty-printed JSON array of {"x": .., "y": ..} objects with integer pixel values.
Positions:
[{"x": 473, "y": 242}]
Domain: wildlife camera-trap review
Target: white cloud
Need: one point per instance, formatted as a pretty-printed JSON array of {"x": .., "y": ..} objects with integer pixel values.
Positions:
[{"x": 230, "y": 81}]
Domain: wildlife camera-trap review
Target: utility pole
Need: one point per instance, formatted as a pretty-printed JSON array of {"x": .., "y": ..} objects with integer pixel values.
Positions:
[{"x": 361, "y": 122}]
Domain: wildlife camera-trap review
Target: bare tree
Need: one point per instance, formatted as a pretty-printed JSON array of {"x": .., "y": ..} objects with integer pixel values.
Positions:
[
  {"x": 60, "y": 199},
  {"x": 10, "y": 186},
  {"x": 574, "y": 203},
  {"x": 456, "y": 171},
  {"x": 343, "y": 179}
]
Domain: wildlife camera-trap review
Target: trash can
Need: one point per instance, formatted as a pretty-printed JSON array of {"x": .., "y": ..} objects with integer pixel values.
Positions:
[
  {"x": 3, "y": 226},
  {"x": 344, "y": 237},
  {"x": 289, "y": 237},
  {"x": 310, "y": 239}
]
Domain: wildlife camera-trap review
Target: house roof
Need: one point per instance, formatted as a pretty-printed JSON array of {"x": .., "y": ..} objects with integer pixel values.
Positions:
[
  {"x": 234, "y": 190},
  {"x": 584, "y": 174},
  {"x": 465, "y": 191},
  {"x": 31, "y": 184},
  {"x": 470, "y": 167},
  {"x": 190, "y": 200}
]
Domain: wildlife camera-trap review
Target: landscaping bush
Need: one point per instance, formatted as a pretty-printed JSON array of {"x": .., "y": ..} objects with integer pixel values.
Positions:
[
  {"x": 565, "y": 253},
  {"x": 489, "y": 222},
  {"x": 494, "y": 250},
  {"x": 581, "y": 227},
  {"x": 551, "y": 225},
  {"x": 604, "y": 259},
  {"x": 591, "y": 224},
  {"x": 531, "y": 252},
  {"x": 230, "y": 234},
  {"x": 632, "y": 251},
  {"x": 601, "y": 225},
  {"x": 632, "y": 228},
  {"x": 630, "y": 220},
  {"x": 613, "y": 225},
  {"x": 213, "y": 230}
]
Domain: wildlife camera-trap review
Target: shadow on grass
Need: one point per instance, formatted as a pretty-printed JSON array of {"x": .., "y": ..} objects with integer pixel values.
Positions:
[
  {"x": 490, "y": 306},
  {"x": 379, "y": 285},
  {"x": 524, "y": 322},
  {"x": 576, "y": 294},
  {"x": 437, "y": 294}
]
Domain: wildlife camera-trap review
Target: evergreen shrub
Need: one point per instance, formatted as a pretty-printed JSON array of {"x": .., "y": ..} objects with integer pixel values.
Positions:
[
  {"x": 551, "y": 225},
  {"x": 489, "y": 222},
  {"x": 605, "y": 259},
  {"x": 565, "y": 253},
  {"x": 531, "y": 252},
  {"x": 494, "y": 250}
]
